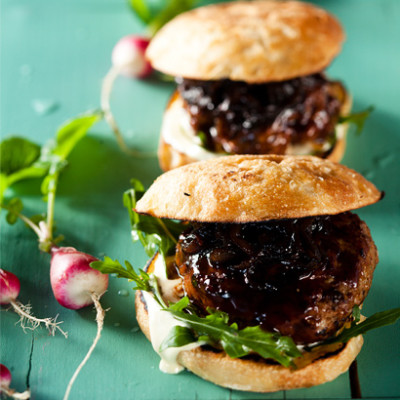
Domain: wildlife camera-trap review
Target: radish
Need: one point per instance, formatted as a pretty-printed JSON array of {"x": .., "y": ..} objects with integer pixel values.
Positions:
[
  {"x": 5, "y": 380},
  {"x": 73, "y": 281},
  {"x": 128, "y": 59},
  {"x": 76, "y": 285},
  {"x": 9, "y": 291},
  {"x": 9, "y": 287}
]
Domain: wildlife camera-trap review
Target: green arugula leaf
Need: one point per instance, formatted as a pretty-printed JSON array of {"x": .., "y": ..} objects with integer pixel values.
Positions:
[
  {"x": 356, "y": 314},
  {"x": 203, "y": 138},
  {"x": 154, "y": 234},
  {"x": 357, "y": 119},
  {"x": 180, "y": 305},
  {"x": 178, "y": 336},
  {"x": 377, "y": 320},
  {"x": 215, "y": 330},
  {"x": 109, "y": 266}
]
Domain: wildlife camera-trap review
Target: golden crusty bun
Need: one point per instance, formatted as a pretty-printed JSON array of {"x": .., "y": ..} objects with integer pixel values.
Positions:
[
  {"x": 247, "y": 188},
  {"x": 251, "y": 41},
  {"x": 259, "y": 375}
]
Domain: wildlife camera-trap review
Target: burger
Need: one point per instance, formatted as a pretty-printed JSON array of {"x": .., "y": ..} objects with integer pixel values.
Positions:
[
  {"x": 250, "y": 80},
  {"x": 261, "y": 288}
]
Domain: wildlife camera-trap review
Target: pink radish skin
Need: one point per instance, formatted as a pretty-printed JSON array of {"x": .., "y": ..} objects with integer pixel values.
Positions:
[
  {"x": 72, "y": 280},
  {"x": 9, "y": 287},
  {"x": 5, "y": 377},
  {"x": 128, "y": 56},
  {"x": 9, "y": 291},
  {"x": 76, "y": 285},
  {"x": 5, "y": 380}
]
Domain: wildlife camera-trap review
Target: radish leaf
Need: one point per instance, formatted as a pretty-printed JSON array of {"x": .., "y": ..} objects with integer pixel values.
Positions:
[
  {"x": 72, "y": 131},
  {"x": 156, "y": 17},
  {"x": 17, "y": 153},
  {"x": 14, "y": 208},
  {"x": 19, "y": 159}
]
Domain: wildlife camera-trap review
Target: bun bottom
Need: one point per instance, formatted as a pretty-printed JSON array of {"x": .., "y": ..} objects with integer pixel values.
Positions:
[
  {"x": 170, "y": 158},
  {"x": 258, "y": 375}
]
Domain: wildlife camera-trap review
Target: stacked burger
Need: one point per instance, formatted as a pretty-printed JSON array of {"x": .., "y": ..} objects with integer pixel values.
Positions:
[
  {"x": 270, "y": 242},
  {"x": 251, "y": 80}
]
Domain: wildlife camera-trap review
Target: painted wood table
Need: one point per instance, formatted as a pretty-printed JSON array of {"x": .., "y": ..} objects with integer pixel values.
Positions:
[{"x": 54, "y": 55}]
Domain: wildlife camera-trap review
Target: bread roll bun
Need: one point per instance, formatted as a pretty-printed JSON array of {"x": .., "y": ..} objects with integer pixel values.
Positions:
[
  {"x": 251, "y": 41},
  {"x": 258, "y": 375},
  {"x": 248, "y": 188}
]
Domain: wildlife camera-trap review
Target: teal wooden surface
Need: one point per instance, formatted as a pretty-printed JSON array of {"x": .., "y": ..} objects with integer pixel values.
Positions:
[{"x": 54, "y": 54}]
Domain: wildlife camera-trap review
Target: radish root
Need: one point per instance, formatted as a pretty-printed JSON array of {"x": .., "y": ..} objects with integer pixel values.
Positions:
[
  {"x": 24, "y": 311},
  {"x": 106, "y": 90},
  {"x": 100, "y": 314},
  {"x": 15, "y": 395}
]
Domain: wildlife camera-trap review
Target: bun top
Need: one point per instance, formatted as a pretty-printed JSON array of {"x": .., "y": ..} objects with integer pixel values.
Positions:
[
  {"x": 253, "y": 188},
  {"x": 252, "y": 41}
]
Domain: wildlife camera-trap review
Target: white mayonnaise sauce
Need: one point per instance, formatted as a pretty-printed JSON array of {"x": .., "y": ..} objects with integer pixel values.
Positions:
[
  {"x": 161, "y": 322},
  {"x": 177, "y": 131}
]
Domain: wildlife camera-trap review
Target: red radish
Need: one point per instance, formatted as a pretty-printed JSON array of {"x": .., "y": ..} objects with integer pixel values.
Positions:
[
  {"x": 9, "y": 291},
  {"x": 76, "y": 285},
  {"x": 5, "y": 380},
  {"x": 128, "y": 56},
  {"x": 5, "y": 376},
  {"x": 9, "y": 287},
  {"x": 73, "y": 281}
]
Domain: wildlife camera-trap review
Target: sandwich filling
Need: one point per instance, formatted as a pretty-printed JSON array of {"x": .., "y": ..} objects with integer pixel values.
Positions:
[
  {"x": 239, "y": 118},
  {"x": 298, "y": 277}
]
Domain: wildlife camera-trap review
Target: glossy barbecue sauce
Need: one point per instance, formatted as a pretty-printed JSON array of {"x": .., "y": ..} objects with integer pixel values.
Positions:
[
  {"x": 298, "y": 277},
  {"x": 240, "y": 118}
]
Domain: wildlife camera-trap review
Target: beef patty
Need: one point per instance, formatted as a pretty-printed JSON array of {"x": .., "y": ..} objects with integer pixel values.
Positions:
[
  {"x": 241, "y": 118},
  {"x": 299, "y": 277}
]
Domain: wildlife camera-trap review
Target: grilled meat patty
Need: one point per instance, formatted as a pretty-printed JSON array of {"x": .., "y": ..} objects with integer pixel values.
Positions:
[
  {"x": 241, "y": 118},
  {"x": 299, "y": 277}
]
